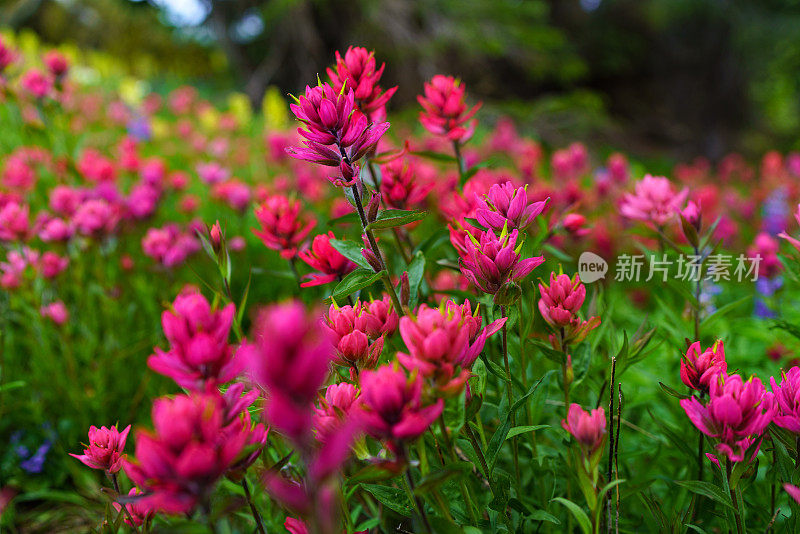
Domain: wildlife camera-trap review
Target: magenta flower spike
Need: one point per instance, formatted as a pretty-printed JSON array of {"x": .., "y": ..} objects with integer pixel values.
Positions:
[
  {"x": 507, "y": 207},
  {"x": 653, "y": 200},
  {"x": 283, "y": 225},
  {"x": 326, "y": 260},
  {"x": 358, "y": 71},
  {"x": 105, "y": 448},
  {"x": 588, "y": 428},
  {"x": 787, "y": 395},
  {"x": 560, "y": 306},
  {"x": 445, "y": 110},
  {"x": 700, "y": 367}
]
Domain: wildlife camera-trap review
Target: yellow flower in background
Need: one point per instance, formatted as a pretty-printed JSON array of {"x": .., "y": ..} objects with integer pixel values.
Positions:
[
  {"x": 132, "y": 91},
  {"x": 275, "y": 109},
  {"x": 209, "y": 119},
  {"x": 159, "y": 127},
  {"x": 28, "y": 42},
  {"x": 239, "y": 106}
]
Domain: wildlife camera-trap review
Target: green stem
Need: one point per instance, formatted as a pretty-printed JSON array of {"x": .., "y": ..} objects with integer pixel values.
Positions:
[
  {"x": 127, "y": 512},
  {"x": 462, "y": 167},
  {"x": 409, "y": 487},
  {"x": 253, "y": 509},
  {"x": 509, "y": 392}
]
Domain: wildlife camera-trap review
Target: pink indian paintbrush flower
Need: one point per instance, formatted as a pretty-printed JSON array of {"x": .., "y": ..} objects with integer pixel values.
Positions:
[
  {"x": 7, "y": 56},
  {"x": 575, "y": 224},
  {"x": 56, "y": 63},
  {"x": 336, "y": 133},
  {"x": 588, "y": 428},
  {"x": 445, "y": 110},
  {"x": 284, "y": 225},
  {"x": 329, "y": 263},
  {"x": 794, "y": 242},
  {"x": 178, "y": 465},
  {"x": 766, "y": 247},
  {"x": 654, "y": 200},
  {"x": 169, "y": 245},
  {"x": 36, "y": 83},
  {"x": 14, "y": 222},
  {"x": 700, "y": 367},
  {"x": 787, "y": 396},
  {"x": 289, "y": 357},
  {"x": 560, "y": 306},
  {"x": 392, "y": 407},
  {"x": 358, "y": 71},
  {"x": 402, "y": 185},
  {"x": 737, "y": 412},
  {"x": 199, "y": 352},
  {"x": 443, "y": 343},
  {"x": 334, "y": 409},
  {"x": 354, "y": 348},
  {"x": 137, "y": 514},
  {"x": 377, "y": 317},
  {"x": 793, "y": 491},
  {"x": 95, "y": 217},
  {"x": 494, "y": 261},
  {"x": 56, "y": 312},
  {"x": 507, "y": 207},
  {"x": 105, "y": 448}
]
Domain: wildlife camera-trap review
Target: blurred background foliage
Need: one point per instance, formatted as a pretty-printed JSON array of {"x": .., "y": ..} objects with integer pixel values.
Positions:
[{"x": 680, "y": 78}]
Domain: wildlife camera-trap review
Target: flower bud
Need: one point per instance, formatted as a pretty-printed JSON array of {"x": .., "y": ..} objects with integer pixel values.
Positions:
[
  {"x": 405, "y": 289},
  {"x": 372, "y": 207},
  {"x": 215, "y": 236},
  {"x": 372, "y": 259}
]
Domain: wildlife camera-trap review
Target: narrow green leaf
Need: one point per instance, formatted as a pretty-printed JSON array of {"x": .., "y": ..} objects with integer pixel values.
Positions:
[
  {"x": 707, "y": 489},
  {"x": 350, "y": 250},
  {"x": 394, "y": 498},
  {"x": 415, "y": 271},
  {"x": 583, "y": 519},
  {"x": 393, "y": 218},
  {"x": 355, "y": 281},
  {"x": 517, "y": 430}
]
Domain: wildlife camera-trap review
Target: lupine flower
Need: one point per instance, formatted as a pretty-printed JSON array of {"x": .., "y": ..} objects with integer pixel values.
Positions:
[
  {"x": 358, "y": 71},
  {"x": 56, "y": 312},
  {"x": 334, "y": 409},
  {"x": 654, "y": 200},
  {"x": 588, "y": 428},
  {"x": 493, "y": 262},
  {"x": 329, "y": 263},
  {"x": 289, "y": 358},
  {"x": 392, "y": 408},
  {"x": 560, "y": 303},
  {"x": 787, "y": 395},
  {"x": 507, "y": 207},
  {"x": 138, "y": 513},
  {"x": 402, "y": 186},
  {"x": 443, "y": 343},
  {"x": 192, "y": 447},
  {"x": 336, "y": 134},
  {"x": 105, "y": 448},
  {"x": 699, "y": 368},
  {"x": 445, "y": 110},
  {"x": 14, "y": 222},
  {"x": 737, "y": 412},
  {"x": 199, "y": 352},
  {"x": 353, "y": 346},
  {"x": 283, "y": 225}
]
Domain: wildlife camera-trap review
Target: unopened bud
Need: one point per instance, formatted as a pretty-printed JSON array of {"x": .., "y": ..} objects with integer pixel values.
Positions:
[
  {"x": 372, "y": 259},
  {"x": 372, "y": 208},
  {"x": 215, "y": 236},
  {"x": 569, "y": 374},
  {"x": 405, "y": 289}
]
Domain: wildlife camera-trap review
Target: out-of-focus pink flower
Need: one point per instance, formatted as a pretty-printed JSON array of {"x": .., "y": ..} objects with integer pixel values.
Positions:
[
  {"x": 169, "y": 245},
  {"x": 588, "y": 428},
  {"x": 14, "y": 222},
  {"x": 56, "y": 312},
  {"x": 289, "y": 358},
  {"x": 95, "y": 217},
  {"x": 617, "y": 165},
  {"x": 235, "y": 193},
  {"x": 213, "y": 173},
  {"x": 36, "y": 83},
  {"x": 445, "y": 110},
  {"x": 787, "y": 395},
  {"x": 493, "y": 261},
  {"x": 560, "y": 303},
  {"x": 443, "y": 343},
  {"x": 326, "y": 260},
  {"x": 51, "y": 264},
  {"x": 358, "y": 71},
  {"x": 334, "y": 409},
  {"x": 653, "y": 200},
  {"x": 138, "y": 513},
  {"x": 700, "y": 367},
  {"x": 178, "y": 465},
  {"x": 507, "y": 207},
  {"x": 56, "y": 63},
  {"x": 353, "y": 347},
  {"x": 767, "y": 248},
  {"x": 336, "y": 134},
  {"x": 392, "y": 408},
  {"x": 793, "y": 491},
  {"x": 7, "y": 56},
  {"x": 402, "y": 186},
  {"x": 55, "y": 229},
  {"x": 199, "y": 352},
  {"x": 575, "y": 224},
  {"x": 105, "y": 448},
  {"x": 283, "y": 225},
  {"x": 95, "y": 167},
  {"x": 737, "y": 412},
  {"x": 65, "y": 200}
]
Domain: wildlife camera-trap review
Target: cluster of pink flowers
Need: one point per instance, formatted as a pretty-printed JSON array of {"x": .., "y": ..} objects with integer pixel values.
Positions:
[
  {"x": 283, "y": 225},
  {"x": 560, "y": 306},
  {"x": 170, "y": 245},
  {"x": 359, "y": 331}
]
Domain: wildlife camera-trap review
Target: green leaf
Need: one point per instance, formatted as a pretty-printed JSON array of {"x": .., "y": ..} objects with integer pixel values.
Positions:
[
  {"x": 355, "y": 281},
  {"x": 707, "y": 489},
  {"x": 517, "y": 430},
  {"x": 541, "y": 515},
  {"x": 350, "y": 250},
  {"x": 393, "y": 498},
  {"x": 711, "y": 319},
  {"x": 495, "y": 444},
  {"x": 351, "y": 217},
  {"x": 577, "y": 511},
  {"x": 393, "y": 218},
  {"x": 440, "y": 476},
  {"x": 415, "y": 271},
  {"x": 672, "y": 393}
]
